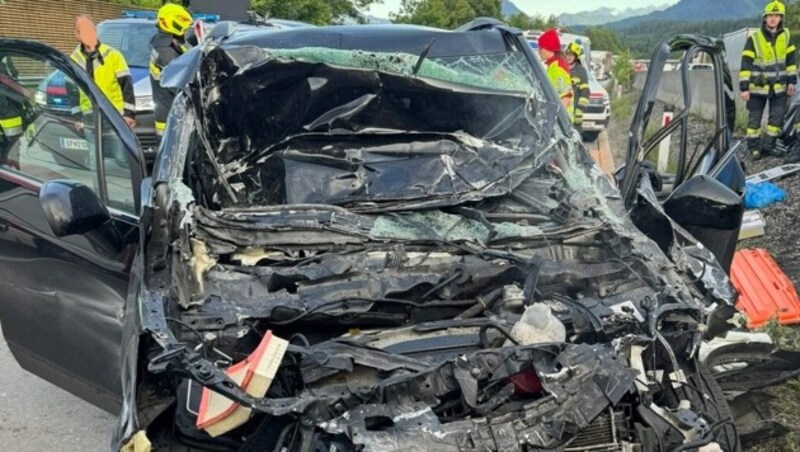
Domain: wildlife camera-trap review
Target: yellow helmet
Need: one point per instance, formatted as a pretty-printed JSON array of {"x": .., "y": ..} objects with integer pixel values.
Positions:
[
  {"x": 173, "y": 19},
  {"x": 575, "y": 49},
  {"x": 775, "y": 7}
]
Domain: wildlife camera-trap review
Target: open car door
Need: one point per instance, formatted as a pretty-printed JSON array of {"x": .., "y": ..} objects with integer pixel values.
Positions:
[
  {"x": 693, "y": 171},
  {"x": 70, "y": 172}
]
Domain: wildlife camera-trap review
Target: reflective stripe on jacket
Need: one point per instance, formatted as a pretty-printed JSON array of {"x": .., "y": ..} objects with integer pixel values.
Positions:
[
  {"x": 110, "y": 73},
  {"x": 165, "y": 49},
  {"x": 768, "y": 63},
  {"x": 11, "y": 126},
  {"x": 581, "y": 91}
]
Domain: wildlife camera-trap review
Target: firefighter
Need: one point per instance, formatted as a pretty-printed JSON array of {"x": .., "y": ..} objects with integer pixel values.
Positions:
[
  {"x": 580, "y": 82},
  {"x": 10, "y": 117},
  {"x": 557, "y": 68},
  {"x": 768, "y": 76},
  {"x": 16, "y": 112},
  {"x": 168, "y": 43},
  {"x": 11, "y": 121}
]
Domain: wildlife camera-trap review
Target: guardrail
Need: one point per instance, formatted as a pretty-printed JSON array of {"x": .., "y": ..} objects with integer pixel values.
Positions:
[
  {"x": 671, "y": 91},
  {"x": 703, "y": 91}
]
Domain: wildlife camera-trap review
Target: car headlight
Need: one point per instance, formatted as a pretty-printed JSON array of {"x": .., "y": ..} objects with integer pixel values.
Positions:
[{"x": 145, "y": 103}]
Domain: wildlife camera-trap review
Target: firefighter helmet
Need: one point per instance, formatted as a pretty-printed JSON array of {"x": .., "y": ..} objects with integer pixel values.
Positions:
[
  {"x": 776, "y": 8},
  {"x": 173, "y": 19},
  {"x": 575, "y": 49}
]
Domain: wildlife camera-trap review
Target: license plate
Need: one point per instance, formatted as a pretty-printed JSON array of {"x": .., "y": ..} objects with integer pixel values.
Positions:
[
  {"x": 587, "y": 124},
  {"x": 74, "y": 144}
]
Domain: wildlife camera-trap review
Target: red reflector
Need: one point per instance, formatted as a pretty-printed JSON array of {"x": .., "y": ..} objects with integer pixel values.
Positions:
[
  {"x": 56, "y": 90},
  {"x": 596, "y": 96},
  {"x": 526, "y": 383}
]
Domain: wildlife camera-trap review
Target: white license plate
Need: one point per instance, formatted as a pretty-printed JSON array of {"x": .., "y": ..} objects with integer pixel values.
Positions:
[
  {"x": 587, "y": 124},
  {"x": 74, "y": 144}
]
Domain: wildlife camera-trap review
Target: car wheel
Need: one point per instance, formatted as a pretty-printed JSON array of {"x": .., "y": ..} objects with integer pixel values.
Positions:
[{"x": 713, "y": 401}]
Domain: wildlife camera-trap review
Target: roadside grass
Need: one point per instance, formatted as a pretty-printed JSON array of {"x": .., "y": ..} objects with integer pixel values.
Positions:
[{"x": 622, "y": 107}]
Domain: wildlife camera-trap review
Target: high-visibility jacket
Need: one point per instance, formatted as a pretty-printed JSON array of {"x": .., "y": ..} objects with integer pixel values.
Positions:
[
  {"x": 109, "y": 70},
  {"x": 165, "y": 49},
  {"x": 580, "y": 90},
  {"x": 768, "y": 63},
  {"x": 559, "y": 77},
  {"x": 11, "y": 124}
]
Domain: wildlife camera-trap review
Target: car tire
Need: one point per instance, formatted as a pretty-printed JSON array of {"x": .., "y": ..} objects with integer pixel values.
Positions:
[{"x": 725, "y": 435}]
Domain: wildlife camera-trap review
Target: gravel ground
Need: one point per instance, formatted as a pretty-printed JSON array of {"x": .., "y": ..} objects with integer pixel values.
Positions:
[
  {"x": 781, "y": 240},
  {"x": 782, "y": 219}
]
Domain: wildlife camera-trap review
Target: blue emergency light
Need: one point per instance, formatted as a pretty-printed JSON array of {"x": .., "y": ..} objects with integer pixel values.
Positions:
[
  {"x": 205, "y": 17},
  {"x": 139, "y": 15},
  {"x": 151, "y": 15}
]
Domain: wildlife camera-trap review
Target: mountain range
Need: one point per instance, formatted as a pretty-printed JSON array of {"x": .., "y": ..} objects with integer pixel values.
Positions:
[
  {"x": 508, "y": 8},
  {"x": 606, "y": 15},
  {"x": 684, "y": 10},
  {"x": 698, "y": 11}
]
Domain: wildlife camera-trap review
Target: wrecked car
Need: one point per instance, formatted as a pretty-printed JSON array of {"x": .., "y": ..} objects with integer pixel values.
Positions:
[{"x": 362, "y": 238}]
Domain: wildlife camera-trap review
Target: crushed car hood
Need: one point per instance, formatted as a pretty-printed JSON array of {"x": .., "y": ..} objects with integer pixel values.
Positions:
[{"x": 393, "y": 217}]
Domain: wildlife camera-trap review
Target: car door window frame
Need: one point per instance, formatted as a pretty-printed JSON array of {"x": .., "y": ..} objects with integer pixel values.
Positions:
[
  {"x": 104, "y": 109},
  {"x": 638, "y": 147}
]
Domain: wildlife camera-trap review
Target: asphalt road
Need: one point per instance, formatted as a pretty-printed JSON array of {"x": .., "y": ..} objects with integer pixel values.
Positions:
[{"x": 38, "y": 416}]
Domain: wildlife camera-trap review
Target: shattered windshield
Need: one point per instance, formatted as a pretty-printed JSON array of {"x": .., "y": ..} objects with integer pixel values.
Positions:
[
  {"x": 509, "y": 71},
  {"x": 369, "y": 133}
]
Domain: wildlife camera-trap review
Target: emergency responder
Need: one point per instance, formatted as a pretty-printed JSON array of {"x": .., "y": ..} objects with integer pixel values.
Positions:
[
  {"x": 768, "y": 76},
  {"x": 108, "y": 68},
  {"x": 580, "y": 83},
  {"x": 13, "y": 106},
  {"x": 11, "y": 122},
  {"x": 168, "y": 43},
  {"x": 557, "y": 68}
]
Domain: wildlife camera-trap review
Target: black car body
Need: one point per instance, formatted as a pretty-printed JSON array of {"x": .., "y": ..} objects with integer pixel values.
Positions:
[{"x": 389, "y": 200}]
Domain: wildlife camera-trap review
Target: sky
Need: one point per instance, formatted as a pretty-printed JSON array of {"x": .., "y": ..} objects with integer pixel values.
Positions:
[{"x": 543, "y": 7}]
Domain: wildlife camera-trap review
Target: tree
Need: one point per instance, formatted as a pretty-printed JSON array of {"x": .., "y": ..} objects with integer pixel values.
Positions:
[
  {"x": 318, "y": 12},
  {"x": 537, "y": 22},
  {"x": 792, "y": 19},
  {"x": 642, "y": 38},
  {"x": 605, "y": 39},
  {"x": 446, "y": 13},
  {"x": 622, "y": 69}
]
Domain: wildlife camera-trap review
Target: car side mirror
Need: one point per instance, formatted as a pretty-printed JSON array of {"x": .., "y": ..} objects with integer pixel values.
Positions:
[
  {"x": 71, "y": 207},
  {"x": 711, "y": 212}
]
